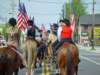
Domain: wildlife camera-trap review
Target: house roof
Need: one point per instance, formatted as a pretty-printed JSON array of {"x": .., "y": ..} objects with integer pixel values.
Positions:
[{"x": 88, "y": 19}]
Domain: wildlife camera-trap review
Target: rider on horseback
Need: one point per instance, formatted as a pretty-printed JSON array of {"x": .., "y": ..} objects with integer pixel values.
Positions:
[
  {"x": 31, "y": 31},
  {"x": 64, "y": 33},
  {"x": 13, "y": 34},
  {"x": 53, "y": 36}
]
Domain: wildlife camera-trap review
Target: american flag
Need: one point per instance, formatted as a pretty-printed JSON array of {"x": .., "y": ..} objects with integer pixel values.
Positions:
[
  {"x": 72, "y": 21},
  {"x": 22, "y": 17}
]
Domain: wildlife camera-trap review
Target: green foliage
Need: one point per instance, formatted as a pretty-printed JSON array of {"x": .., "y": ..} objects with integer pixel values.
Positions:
[
  {"x": 67, "y": 10},
  {"x": 4, "y": 29},
  {"x": 78, "y": 8}
]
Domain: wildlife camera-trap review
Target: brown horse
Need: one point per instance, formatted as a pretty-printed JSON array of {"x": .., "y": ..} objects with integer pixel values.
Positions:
[
  {"x": 10, "y": 61},
  {"x": 29, "y": 52},
  {"x": 67, "y": 59},
  {"x": 42, "y": 51}
]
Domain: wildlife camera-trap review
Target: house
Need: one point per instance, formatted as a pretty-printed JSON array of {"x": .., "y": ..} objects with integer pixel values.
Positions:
[{"x": 85, "y": 28}]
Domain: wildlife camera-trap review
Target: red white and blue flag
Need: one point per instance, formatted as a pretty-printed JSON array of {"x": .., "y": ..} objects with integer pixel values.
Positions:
[{"x": 22, "y": 17}]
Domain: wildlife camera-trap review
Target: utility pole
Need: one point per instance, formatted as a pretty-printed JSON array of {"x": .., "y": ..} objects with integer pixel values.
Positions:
[{"x": 93, "y": 23}]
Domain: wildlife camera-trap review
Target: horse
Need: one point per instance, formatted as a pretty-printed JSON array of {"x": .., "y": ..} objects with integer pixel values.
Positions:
[
  {"x": 62, "y": 56},
  {"x": 52, "y": 38},
  {"x": 42, "y": 51},
  {"x": 10, "y": 61},
  {"x": 67, "y": 59},
  {"x": 29, "y": 52}
]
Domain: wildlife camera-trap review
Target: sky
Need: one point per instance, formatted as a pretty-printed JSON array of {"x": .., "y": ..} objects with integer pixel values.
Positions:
[{"x": 44, "y": 11}]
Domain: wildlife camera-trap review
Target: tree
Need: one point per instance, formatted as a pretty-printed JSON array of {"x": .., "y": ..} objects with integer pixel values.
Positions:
[
  {"x": 78, "y": 8},
  {"x": 67, "y": 9}
]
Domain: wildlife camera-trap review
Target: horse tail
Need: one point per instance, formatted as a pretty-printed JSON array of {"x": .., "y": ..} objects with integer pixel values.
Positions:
[
  {"x": 69, "y": 62},
  {"x": 31, "y": 52}
]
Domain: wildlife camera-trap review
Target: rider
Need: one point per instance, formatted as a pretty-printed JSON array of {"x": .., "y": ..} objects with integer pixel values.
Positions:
[
  {"x": 64, "y": 33},
  {"x": 30, "y": 34},
  {"x": 13, "y": 34},
  {"x": 53, "y": 36},
  {"x": 31, "y": 31}
]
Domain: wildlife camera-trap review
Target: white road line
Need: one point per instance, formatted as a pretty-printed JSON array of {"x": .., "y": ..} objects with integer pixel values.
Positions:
[
  {"x": 90, "y": 60},
  {"x": 91, "y": 54}
]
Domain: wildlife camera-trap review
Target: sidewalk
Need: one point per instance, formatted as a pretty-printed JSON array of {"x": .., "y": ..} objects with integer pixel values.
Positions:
[{"x": 97, "y": 48}]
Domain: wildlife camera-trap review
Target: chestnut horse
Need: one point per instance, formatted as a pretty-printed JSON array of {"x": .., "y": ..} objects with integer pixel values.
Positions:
[
  {"x": 67, "y": 59},
  {"x": 29, "y": 52},
  {"x": 10, "y": 61}
]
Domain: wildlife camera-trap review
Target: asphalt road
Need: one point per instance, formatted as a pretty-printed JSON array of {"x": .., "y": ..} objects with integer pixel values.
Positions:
[{"x": 90, "y": 63}]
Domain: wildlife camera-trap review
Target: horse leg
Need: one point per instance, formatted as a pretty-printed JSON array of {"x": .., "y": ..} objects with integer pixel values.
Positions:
[
  {"x": 32, "y": 72},
  {"x": 77, "y": 70},
  {"x": 62, "y": 71},
  {"x": 9, "y": 73},
  {"x": 16, "y": 72},
  {"x": 32, "y": 68},
  {"x": 73, "y": 71},
  {"x": 27, "y": 71}
]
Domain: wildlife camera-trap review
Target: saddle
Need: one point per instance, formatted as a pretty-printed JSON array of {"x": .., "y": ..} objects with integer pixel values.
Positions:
[{"x": 66, "y": 44}]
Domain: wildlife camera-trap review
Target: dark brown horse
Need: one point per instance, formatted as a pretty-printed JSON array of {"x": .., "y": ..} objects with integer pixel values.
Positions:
[
  {"x": 67, "y": 59},
  {"x": 10, "y": 61},
  {"x": 42, "y": 51}
]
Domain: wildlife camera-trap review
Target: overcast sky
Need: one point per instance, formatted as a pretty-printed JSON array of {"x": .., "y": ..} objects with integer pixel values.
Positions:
[{"x": 44, "y": 11}]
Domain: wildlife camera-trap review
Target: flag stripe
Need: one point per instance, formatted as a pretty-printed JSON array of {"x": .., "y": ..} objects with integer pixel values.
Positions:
[{"x": 22, "y": 17}]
